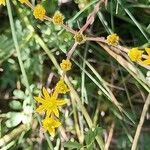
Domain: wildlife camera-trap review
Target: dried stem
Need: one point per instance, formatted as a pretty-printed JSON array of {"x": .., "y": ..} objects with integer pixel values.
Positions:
[
  {"x": 30, "y": 5},
  {"x": 91, "y": 17},
  {"x": 96, "y": 39},
  {"x": 110, "y": 136},
  {"x": 13, "y": 134},
  {"x": 48, "y": 18},
  {"x": 139, "y": 127},
  {"x": 67, "y": 28},
  {"x": 69, "y": 54},
  {"x": 76, "y": 124}
]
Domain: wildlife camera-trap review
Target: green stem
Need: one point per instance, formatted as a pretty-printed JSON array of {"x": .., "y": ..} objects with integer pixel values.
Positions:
[
  {"x": 22, "y": 66},
  {"x": 17, "y": 48},
  {"x": 48, "y": 52},
  {"x": 134, "y": 20}
]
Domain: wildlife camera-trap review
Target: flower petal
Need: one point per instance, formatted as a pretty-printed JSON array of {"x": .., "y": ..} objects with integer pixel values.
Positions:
[
  {"x": 51, "y": 131},
  {"x": 39, "y": 99},
  {"x": 40, "y": 108},
  {"x": 145, "y": 62},
  {"x": 148, "y": 51},
  {"x": 57, "y": 124},
  {"x": 56, "y": 112},
  {"x": 48, "y": 113},
  {"x": 45, "y": 93},
  {"x": 61, "y": 102}
]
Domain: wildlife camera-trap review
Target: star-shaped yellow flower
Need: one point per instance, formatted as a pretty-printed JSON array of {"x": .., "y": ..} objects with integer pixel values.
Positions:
[
  {"x": 61, "y": 87},
  {"x": 50, "y": 124},
  {"x": 49, "y": 103},
  {"x": 135, "y": 54}
]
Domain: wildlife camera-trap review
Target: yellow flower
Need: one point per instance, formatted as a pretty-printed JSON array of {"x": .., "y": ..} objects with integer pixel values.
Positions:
[
  {"x": 61, "y": 87},
  {"x": 113, "y": 39},
  {"x": 135, "y": 54},
  {"x": 49, "y": 124},
  {"x": 147, "y": 60},
  {"x": 66, "y": 65},
  {"x": 79, "y": 38},
  {"x": 58, "y": 18},
  {"x": 39, "y": 12},
  {"x": 23, "y": 1},
  {"x": 49, "y": 103},
  {"x": 2, "y": 2}
]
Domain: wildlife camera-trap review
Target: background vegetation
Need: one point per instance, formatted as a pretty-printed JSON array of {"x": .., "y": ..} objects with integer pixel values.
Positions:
[{"x": 97, "y": 76}]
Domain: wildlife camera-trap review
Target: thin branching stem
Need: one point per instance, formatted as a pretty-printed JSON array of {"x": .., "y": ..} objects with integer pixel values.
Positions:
[{"x": 139, "y": 127}]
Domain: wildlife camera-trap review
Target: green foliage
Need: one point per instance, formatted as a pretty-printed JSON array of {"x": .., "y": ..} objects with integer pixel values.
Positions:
[
  {"x": 15, "y": 105},
  {"x": 6, "y": 48},
  {"x": 14, "y": 118}
]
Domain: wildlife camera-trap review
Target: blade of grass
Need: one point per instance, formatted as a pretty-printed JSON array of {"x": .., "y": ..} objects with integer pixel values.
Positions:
[
  {"x": 18, "y": 49},
  {"x": 108, "y": 95},
  {"x": 13, "y": 134},
  {"x": 103, "y": 87},
  {"x": 139, "y": 127},
  {"x": 83, "y": 88},
  {"x": 104, "y": 22},
  {"x": 127, "y": 92},
  {"x": 76, "y": 124},
  {"x": 81, "y": 11},
  {"x": 9, "y": 145},
  {"x": 134, "y": 20},
  {"x": 85, "y": 113},
  {"x": 112, "y": 16}
]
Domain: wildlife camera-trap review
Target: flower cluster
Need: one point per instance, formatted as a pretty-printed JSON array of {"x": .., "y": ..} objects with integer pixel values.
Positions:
[
  {"x": 39, "y": 12},
  {"x": 50, "y": 103},
  {"x": 135, "y": 54}
]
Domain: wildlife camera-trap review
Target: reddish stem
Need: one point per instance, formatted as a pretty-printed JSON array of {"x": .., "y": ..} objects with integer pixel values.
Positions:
[{"x": 71, "y": 51}]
